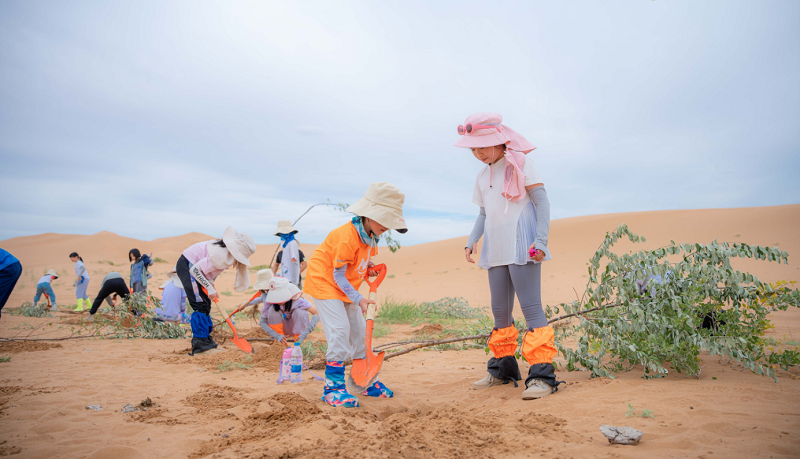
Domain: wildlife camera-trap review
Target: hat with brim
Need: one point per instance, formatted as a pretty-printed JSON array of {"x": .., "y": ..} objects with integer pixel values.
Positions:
[
  {"x": 173, "y": 277},
  {"x": 262, "y": 279},
  {"x": 383, "y": 202},
  {"x": 285, "y": 227},
  {"x": 52, "y": 272},
  {"x": 488, "y": 131},
  {"x": 240, "y": 245},
  {"x": 281, "y": 291}
]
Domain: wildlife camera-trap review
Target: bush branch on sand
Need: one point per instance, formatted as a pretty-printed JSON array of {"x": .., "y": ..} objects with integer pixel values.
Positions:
[{"x": 640, "y": 308}]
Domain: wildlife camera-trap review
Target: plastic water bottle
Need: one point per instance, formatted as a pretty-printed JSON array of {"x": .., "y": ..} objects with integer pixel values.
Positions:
[{"x": 297, "y": 364}]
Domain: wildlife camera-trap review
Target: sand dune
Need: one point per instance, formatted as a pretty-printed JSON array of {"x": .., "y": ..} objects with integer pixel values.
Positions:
[{"x": 727, "y": 413}]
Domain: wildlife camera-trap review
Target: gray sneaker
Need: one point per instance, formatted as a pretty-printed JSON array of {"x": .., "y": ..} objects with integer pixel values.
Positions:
[
  {"x": 487, "y": 381},
  {"x": 537, "y": 389}
]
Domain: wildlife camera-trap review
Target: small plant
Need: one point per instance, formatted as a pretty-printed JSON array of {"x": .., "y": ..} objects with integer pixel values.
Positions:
[
  {"x": 312, "y": 349},
  {"x": 381, "y": 330},
  {"x": 5, "y": 359},
  {"x": 226, "y": 293},
  {"x": 106, "y": 261},
  {"x": 645, "y": 413},
  {"x": 258, "y": 268},
  {"x": 230, "y": 366},
  {"x": 159, "y": 260},
  {"x": 30, "y": 310},
  {"x": 390, "y": 276}
]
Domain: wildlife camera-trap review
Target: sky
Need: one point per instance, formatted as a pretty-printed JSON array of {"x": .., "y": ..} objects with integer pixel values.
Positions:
[{"x": 153, "y": 119}]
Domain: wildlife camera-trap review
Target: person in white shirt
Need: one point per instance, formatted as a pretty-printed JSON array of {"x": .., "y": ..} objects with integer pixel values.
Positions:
[
  {"x": 290, "y": 261},
  {"x": 514, "y": 220}
]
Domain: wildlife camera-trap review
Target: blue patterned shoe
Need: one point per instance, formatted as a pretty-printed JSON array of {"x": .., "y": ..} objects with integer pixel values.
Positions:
[
  {"x": 378, "y": 390},
  {"x": 335, "y": 391}
]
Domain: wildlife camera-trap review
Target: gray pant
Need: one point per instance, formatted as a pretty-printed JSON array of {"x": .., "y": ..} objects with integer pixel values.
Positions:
[
  {"x": 345, "y": 329},
  {"x": 526, "y": 281}
]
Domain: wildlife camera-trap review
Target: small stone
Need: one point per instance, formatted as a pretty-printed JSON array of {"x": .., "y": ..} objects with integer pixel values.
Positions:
[
  {"x": 148, "y": 439},
  {"x": 224, "y": 435},
  {"x": 691, "y": 407},
  {"x": 224, "y": 379},
  {"x": 94, "y": 407},
  {"x": 621, "y": 435},
  {"x": 128, "y": 408}
]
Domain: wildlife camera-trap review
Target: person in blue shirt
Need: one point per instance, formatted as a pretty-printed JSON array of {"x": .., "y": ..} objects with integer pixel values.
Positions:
[
  {"x": 139, "y": 275},
  {"x": 10, "y": 270}
]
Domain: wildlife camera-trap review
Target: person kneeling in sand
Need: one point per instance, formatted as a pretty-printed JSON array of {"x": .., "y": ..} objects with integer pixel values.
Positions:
[
  {"x": 173, "y": 300},
  {"x": 202, "y": 263},
  {"x": 335, "y": 273},
  {"x": 284, "y": 312}
]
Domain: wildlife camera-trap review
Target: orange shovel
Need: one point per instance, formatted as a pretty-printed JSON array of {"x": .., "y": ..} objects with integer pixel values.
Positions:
[
  {"x": 364, "y": 371},
  {"x": 241, "y": 343},
  {"x": 245, "y": 304}
]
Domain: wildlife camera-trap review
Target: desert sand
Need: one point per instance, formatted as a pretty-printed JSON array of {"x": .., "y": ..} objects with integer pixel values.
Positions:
[{"x": 46, "y": 386}]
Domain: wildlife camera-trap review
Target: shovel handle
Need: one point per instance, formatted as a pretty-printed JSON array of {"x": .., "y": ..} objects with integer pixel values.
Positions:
[
  {"x": 257, "y": 294},
  {"x": 372, "y": 308},
  {"x": 373, "y": 285}
]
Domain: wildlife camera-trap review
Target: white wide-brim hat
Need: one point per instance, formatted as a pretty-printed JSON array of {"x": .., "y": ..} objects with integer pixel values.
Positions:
[
  {"x": 173, "y": 277},
  {"x": 383, "y": 202},
  {"x": 240, "y": 245},
  {"x": 52, "y": 272},
  {"x": 262, "y": 279},
  {"x": 281, "y": 291},
  {"x": 285, "y": 227}
]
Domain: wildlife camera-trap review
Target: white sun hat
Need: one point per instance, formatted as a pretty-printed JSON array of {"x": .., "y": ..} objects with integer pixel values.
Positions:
[
  {"x": 240, "y": 245},
  {"x": 173, "y": 277},
  {"x": 281, "y": 291},
  {"x": 285, "y": 227},
  {"x": 383, "y": 202},
  {"x": 262, "y": 279},
  {"x": 52, "y": 272}
]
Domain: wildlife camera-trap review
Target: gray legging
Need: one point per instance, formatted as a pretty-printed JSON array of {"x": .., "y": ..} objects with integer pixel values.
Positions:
[{"x": 526, "y": 281}]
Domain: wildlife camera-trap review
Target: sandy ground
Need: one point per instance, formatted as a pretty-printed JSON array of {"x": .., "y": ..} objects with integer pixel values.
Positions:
[{"x": 45, "y": 387}]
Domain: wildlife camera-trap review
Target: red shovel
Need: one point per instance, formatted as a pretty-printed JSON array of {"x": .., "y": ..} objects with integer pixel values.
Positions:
[
  {"x": 364, "y": 371},
  {"x": 241, "y": 343}
]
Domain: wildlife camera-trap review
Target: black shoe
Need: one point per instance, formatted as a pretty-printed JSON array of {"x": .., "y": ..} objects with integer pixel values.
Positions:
[{"x": 200, "y": 345}]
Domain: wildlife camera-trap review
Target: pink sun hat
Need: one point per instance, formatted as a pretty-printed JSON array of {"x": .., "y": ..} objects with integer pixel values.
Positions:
[{"x": 487, "y": 130}]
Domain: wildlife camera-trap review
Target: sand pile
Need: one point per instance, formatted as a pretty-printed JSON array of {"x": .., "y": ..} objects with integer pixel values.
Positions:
[
  {"x": 317, "y": 430},
  {"x": 266, "y": 357}
]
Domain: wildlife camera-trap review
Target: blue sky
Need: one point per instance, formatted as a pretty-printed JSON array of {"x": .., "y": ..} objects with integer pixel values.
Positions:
[{"x": 154, "y": 119}]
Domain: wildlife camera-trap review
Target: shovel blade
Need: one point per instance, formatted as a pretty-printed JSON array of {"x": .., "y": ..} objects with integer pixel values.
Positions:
[
  {"x": 365, "y": 370},
  {"x": 240, "y": 342}
]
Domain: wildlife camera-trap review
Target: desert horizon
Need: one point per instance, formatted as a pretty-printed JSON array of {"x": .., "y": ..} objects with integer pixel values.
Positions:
[{"x": 727, "y": 411}]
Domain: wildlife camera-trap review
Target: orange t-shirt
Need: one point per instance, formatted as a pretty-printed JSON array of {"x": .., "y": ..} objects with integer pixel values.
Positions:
[{"x": 343, "y": 246}]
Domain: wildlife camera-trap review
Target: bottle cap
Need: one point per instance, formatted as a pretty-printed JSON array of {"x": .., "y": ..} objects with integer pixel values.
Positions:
[{"x": 296, "y": 344}]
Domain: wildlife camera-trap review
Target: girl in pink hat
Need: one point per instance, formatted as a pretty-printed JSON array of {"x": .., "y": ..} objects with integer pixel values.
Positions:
[{"x": 514, "y": 221}]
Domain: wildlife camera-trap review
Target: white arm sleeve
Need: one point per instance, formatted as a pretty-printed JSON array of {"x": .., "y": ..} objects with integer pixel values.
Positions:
[{"x": 201, "y": 280}]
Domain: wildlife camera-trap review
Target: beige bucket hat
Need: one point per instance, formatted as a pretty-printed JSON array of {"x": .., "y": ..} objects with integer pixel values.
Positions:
[
  {"x": 52, "y": 272},
  {"x": 173, "y": 277},
  {"x": 383, "y": 202},
  {"x": 262, "y": 279},
  {"x": 240, "y": 245},
  {"x": 285, "y": 227},
  {"x": 281, "y": 291}
]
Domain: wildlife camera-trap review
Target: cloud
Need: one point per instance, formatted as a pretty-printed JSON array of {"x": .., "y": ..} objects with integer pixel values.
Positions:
[{"x": 247, "y": 113}]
